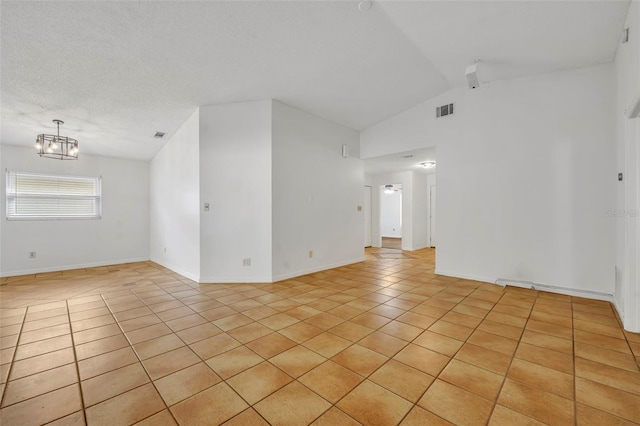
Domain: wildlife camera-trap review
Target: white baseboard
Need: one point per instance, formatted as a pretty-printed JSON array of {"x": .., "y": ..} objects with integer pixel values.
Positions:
[
  {"x": 465, "y": 276},
  {"x": 177, "y": 270},
  {"x": 59, "y": 268},
  {"x": 531, "y": 285},
  {"x": 235, "y": 280},
  {"x": 301, "y": 272}
]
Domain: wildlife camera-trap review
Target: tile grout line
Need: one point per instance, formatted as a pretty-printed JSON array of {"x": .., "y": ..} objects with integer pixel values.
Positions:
[
  {"x": 13, "y": 358},
  {"x": 75, "y": 361}
]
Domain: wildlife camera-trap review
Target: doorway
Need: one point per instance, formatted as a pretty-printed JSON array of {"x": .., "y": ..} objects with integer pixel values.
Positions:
[{"x": 391, "y": 216}]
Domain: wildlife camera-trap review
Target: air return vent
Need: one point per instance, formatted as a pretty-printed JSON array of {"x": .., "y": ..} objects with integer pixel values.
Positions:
[
  {"x": 159, "y": 135},
  {"x": 444, "y": 110}
]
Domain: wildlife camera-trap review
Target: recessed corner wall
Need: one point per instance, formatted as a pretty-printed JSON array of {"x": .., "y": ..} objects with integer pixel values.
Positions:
[
  {"x": 316, "y": 194},
  {"x": 235, "y": 180},
  {"x": 174, "y": 219},
  {"x": 121, "y": 235}
]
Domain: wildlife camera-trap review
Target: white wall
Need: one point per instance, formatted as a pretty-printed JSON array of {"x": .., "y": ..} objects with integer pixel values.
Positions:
[
  {"x": 391, "y": 214},
  {"x": 235, "y": 179},
  {"x": 315, "y": 194},
  {"x": 420, "y": 206},
  {"x": 525, "y": 172},
  {"x": 122, "y": 235},
  {"x": 625, "y": 214},
  {"x": 174, "y": 219}
]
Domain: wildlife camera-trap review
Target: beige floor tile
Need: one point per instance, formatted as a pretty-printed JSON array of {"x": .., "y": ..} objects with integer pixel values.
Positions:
[
  {"x": 104, "y": 363},
  {"x": 423, "y": 359},
  {"x": 439, "y": 343},
  {"x": 324, "y": 321},
  {"x": 157, "y": 346},
  {"x": 38, "y": 384},
  {"x": 359, "y": 359},
  {"x": 185, "y": 383},
  {"x": 333, "y": 417},
  {"x": 234, "y": 361},
  {"x": 170, "y": 362},
  {"x": 541, "y": 377},
  {"x": 301, "y": 332},
  {"x": 504, "y": 416},
  {"x": 232, "y": 322},
  {"x": 127, "y": 408},
  {"x": 351, "y": 331},
  {"x": 115, "y": 382},
  {"x": 402, "y": 380},
  {"x": 536, "y": 403},
  {"x": 605, "y": 356},
  {"x": 43, "y": 346},
  {"x": 327, "y": 344},
  {"x": 331, "y": 381},
  {"x": 41, "y": 363},
  {"x": 199, "y": 332},
  {"x": 297, "y": 361},
  {"x": 271, "y": 345},
  {"x": 383, "y": 343},
  {"x": 611, "y": 376},
  {"x": 249, "y": 332},
  {"x": 455, "y": 404},
  {"x": 589, "y": 416},
  {"x": 98, "y": 347},
  {"x": 163, "y": 418},
  {"x": 401, "y": 330},
  {"x": 419, "y": 417},
  {"x": 372, "y": 404},
  {"x": 248, "y": 417},
  {"x": 258, "y": 382},
  {"x": 545, "y": 357},
  {"x": 213, "y": 346},
  {"x": 474, "y": 379},
  {"x": 44, "y": 408},
  {"x": 292, "y": 405}
]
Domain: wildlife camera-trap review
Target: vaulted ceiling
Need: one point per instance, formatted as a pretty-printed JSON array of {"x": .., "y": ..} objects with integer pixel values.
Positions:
[{"x": 117, "y": 72}]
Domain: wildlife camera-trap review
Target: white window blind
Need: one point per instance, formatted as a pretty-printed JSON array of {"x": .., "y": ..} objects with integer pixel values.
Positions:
[{"x": 39, "y": 196}]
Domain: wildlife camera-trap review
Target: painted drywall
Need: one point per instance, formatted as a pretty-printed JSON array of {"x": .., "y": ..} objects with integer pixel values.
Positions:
[
  {"x": 316, "y": 194},
  {"x": 525, "y": 172},
  {"x": 431, "y": 227},
  {"x": 174, "y": 219},
  {"x": 420, "y": 207},
  {"x": 391, "y": 214},
  {"x": 235, "y": 179},
  {"x": 121, "y": 235},
  {"x": 625, "y": 213}
]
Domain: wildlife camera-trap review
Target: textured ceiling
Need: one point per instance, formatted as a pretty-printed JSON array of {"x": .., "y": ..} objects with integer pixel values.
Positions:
[{"x": 116, "y": 72}]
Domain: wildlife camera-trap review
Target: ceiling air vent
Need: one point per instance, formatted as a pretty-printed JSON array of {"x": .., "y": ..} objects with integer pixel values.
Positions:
[
  {"x": 444, "y": 110},
  {"x": 159, "y": 135}
]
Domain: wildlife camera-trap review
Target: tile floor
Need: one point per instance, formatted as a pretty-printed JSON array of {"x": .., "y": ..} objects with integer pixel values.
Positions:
[{"x": 382, "y": 342}]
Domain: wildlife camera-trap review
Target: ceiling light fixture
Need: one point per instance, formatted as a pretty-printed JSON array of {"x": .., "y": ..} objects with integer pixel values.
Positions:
[
  {"x": 56, "y": 146},
  {"x": 388, "y": 189},
  {"x": 428, "y": 164}
]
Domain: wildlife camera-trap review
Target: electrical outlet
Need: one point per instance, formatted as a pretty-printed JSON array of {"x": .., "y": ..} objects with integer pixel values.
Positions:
[
  {"x": 246, "y": 262},
  {"x": 32, "y": 255},
  {"x": 359, "y": 208},
  {"x": 310, "y": 253}
]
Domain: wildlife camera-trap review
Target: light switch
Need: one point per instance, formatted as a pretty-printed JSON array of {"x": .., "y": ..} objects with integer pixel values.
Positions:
[
  {"x": 206, "y": 207},
  {"x": 359, "y": 208}
]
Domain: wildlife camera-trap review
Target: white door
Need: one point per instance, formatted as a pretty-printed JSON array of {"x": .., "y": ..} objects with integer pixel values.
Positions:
[
  {"x": 367, "y": 216},
  {"x": 432, "y": 215}
]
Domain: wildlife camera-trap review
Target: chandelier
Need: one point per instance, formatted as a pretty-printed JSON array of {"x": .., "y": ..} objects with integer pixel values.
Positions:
[{"x": 56, "y": 146}]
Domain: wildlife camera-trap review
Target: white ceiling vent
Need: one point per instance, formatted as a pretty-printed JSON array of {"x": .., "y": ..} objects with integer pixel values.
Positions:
[
  {"x": 159, "y": 135},
  {"x": 444, "y": 110}
]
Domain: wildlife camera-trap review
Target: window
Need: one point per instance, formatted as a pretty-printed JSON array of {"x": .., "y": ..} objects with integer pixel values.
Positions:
[{"x": 38, "y": 196}]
